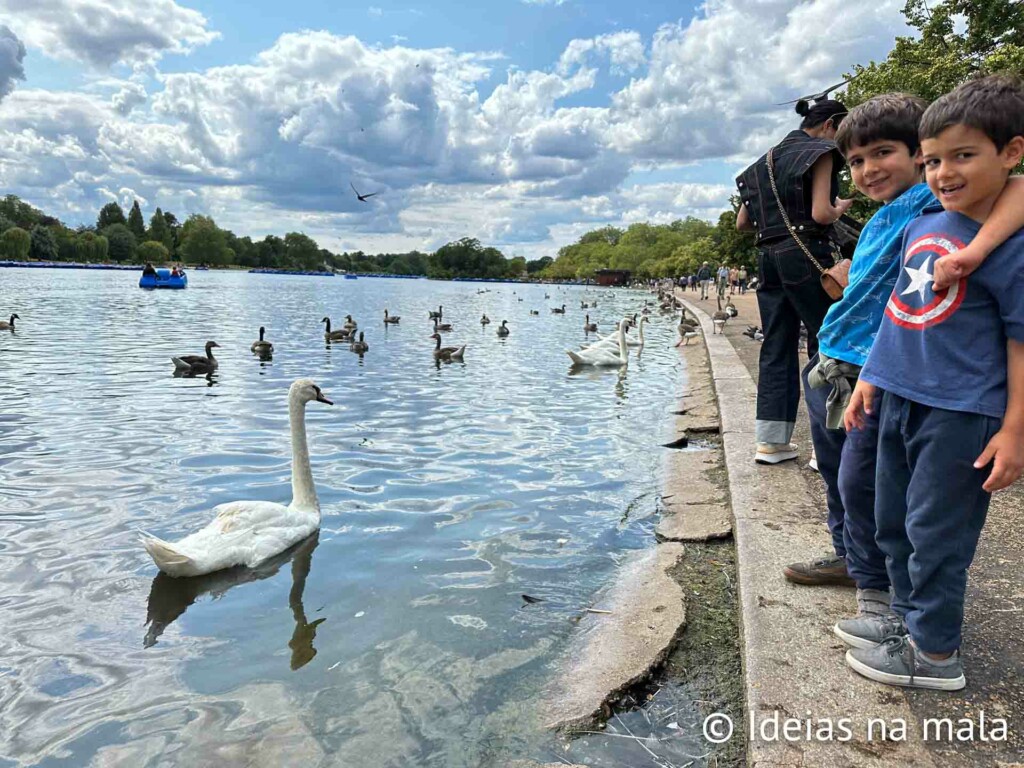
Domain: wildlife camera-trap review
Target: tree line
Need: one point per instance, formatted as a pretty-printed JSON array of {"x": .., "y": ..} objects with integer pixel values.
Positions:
[{"x": 26, "y": 233}]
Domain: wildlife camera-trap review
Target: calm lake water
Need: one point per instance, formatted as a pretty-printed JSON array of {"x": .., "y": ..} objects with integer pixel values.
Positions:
[{"x": 399, "y": 637}]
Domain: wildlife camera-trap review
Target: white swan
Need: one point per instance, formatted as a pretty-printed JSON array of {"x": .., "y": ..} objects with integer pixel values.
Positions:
[
  {"x": 248, "y": 532},
  {"x": 604, "y": 355},
  {"x": 612, "y": 340}
]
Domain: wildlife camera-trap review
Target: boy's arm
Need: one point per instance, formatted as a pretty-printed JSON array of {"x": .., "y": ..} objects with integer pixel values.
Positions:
[
  {"x": 1006, "y": 218},
  {"x": 1006, "y": 448}
]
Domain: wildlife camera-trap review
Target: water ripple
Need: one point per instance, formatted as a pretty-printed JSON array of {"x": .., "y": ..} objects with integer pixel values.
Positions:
[{"x": 399, "y": 637}]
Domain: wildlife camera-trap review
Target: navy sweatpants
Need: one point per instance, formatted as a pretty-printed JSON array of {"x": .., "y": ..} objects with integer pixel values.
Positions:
[
  {"x": 846, "y": 462},
  {"x": 828, "y": 447},
  {"x": 930, "y": 509},
  {"x": 864, "y": 560}
]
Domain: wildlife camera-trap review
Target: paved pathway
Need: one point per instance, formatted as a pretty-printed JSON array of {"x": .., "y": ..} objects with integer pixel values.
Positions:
[{"x": 793, "y": 663}]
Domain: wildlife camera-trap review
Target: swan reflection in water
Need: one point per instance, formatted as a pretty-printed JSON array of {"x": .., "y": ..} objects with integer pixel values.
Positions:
[{"x": 169, "y": 598}]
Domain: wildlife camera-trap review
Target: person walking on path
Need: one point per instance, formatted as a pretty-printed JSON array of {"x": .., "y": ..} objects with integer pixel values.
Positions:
[
  {"x": 704, "y": 278},
  {"x": 804, "y": 178},
  {"x": 743, "y": 280}
]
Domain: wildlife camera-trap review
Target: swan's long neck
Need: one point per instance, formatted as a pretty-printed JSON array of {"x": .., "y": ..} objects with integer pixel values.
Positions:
[
  {"x": 623, "y": 350},
  {"x": 303, "y": 490},
  {"x": 642, "y": 330}
]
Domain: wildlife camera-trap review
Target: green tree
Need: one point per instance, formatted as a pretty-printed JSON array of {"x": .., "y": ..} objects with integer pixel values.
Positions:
[
  {"x": 43, "y": 244},
  {"x": 536, "y": 265},
  {"x": 110, "y": 214},
  {"x": 15, "y": 243},
  {"x": 18, "y": 213},
  {"x": 121, "y": 243},
  {"x": 203, "y": 242},
  {"x": 467, "y": 258},
  {"x": 956, "y": 39},
  {"x": 153, "y": 252},
  {"x": 302, "y": 252},
  {"x": 734, "y": 247},
  {"x": 160, "y": 231},
  {"x": 136, "y": 223},
  {"x": 90, "y": 247}
]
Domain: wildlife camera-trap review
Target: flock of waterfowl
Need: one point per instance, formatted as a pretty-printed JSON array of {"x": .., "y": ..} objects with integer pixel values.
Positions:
[{"x": 247, "y": 533}]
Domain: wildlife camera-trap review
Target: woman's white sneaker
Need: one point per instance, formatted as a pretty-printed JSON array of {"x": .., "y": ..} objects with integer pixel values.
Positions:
[{"x": 775, "y": 453}]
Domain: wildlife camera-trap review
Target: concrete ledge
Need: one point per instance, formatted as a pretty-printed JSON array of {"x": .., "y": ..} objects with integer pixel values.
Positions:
[
  {"x": 793, "y": 664},
  {"x": 617, "y": 650}
]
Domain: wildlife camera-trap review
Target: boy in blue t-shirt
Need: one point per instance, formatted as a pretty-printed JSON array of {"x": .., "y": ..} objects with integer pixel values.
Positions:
[{"x": 946, "y": 376}]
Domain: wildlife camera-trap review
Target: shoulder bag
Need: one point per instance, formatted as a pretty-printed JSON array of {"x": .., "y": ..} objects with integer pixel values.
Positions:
[{"x": 834, "y": 279}]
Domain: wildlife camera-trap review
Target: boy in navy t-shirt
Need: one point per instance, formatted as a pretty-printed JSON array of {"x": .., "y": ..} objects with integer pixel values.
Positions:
[{"x": 946, "y": 374}]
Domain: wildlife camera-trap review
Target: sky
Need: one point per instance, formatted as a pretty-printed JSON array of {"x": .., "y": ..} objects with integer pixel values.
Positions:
[{"x": 523, "y": 123}]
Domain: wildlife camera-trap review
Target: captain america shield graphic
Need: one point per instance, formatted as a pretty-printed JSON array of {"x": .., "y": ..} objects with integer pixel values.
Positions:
[{"x": 913, "y": 303}]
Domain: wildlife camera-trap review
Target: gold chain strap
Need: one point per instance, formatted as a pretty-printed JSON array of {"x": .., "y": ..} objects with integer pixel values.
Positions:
[{"x": 785, "y": 218}]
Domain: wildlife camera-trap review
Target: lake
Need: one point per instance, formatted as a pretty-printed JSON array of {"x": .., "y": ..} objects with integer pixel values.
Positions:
[{"x": 397, "y": 637}]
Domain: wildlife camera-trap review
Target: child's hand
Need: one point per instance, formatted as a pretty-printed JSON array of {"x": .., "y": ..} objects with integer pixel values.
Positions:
[
  {"x": 862, "y": 401},
  {"x": 954, "y": 267},
  {"x": 843, "y": 205},
  {"x": 1006, "y": 452}
]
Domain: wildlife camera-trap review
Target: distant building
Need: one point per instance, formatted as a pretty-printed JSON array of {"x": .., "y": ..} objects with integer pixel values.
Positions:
[{"x": 612, "y": 277}]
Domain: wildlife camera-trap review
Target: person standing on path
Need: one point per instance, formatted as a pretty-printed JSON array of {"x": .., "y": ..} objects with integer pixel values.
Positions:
[
  {"x": 723, "y": 279},
  {"x": 806, "y": 167},
  {"x": 743, "y": 280},
  {"x": 704, "y": 278}
]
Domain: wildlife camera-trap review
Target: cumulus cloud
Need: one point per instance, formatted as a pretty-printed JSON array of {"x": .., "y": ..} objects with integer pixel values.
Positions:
[
  {"x": 129, "y": 97},
  {"x": 107, "y": 32},
  {"x": 709, "y": 85},
  {"x": 12, "y": 53},
  {"x": 273, "y": 142},
  {"x": 625, "y": 51}
]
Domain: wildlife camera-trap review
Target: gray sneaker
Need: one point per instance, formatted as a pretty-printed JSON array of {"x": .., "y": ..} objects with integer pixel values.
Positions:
[
  {"x": 895, "y": 661},
  {"x": 873, "y": 623}
]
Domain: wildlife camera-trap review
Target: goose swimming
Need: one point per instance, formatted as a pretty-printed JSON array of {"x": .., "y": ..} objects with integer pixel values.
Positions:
[
  {"x": 447, "y": 354},
  {"x": 8, "y": 325},
  {"x": 262, "y": 347},
  {"x": 503, "y": 328},
  {"x": 390, "y": 319},
  {"x": 249, "y": 532},
  {"x": 197, "y": 363},
  {"x": 329, "y": 335},
  {"x": 359, "y": 347}
]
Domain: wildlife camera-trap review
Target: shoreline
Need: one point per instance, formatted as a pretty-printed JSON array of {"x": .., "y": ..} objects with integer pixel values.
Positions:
[{"x": 620, "y": 661}]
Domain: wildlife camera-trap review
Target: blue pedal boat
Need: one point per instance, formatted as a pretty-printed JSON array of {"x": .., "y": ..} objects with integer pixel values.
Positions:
[{"x": 164, "y": 279}]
